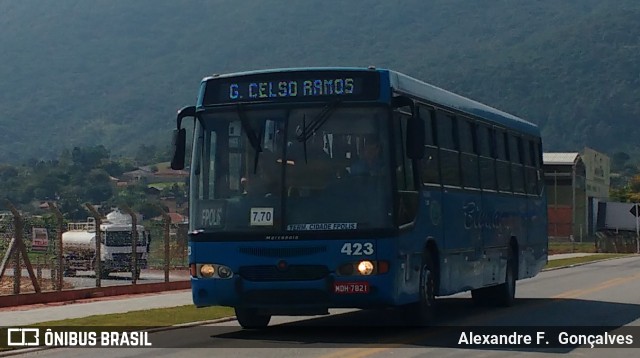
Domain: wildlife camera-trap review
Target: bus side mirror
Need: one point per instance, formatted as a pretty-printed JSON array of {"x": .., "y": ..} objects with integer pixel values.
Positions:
[
  {"x": 415, "y": 137},
  {"x": 179, "y": 148},
  {"x": 180, "y": 138}
]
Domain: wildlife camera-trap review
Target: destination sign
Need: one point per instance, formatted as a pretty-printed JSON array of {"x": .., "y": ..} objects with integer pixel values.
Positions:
[{"x": 293, "y": 86}]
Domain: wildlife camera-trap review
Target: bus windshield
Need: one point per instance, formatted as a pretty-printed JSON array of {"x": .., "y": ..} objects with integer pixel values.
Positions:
[{"x": 291, "y": 170}]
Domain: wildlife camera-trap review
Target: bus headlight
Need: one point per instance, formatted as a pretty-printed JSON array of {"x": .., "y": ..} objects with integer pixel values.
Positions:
[
  {"x": 207, "y": 270},
  {"x": 224, "y": 272},
  {"x": 365, "y": 268},
  {"x": 211, "y": 271}
]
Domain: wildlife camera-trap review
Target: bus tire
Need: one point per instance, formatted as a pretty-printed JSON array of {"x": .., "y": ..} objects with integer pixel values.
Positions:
[
  {"x": 250, "y": 319},
  {"x": 481, "y": 296},
  {"x": 504, "y": 294},
  {"x": 422, "y": 313},
  {"x": 427, "y": 291}
]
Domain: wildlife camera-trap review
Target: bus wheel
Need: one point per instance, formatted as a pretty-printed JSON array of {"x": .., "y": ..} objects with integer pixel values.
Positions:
[
  {"x": 423, "y": 313},
  {"x": 250, "y": 319},
  {"x": 480, "y": 296},
  {"x": 504, "y": 294},
  {"x": 499, "y": 295}
]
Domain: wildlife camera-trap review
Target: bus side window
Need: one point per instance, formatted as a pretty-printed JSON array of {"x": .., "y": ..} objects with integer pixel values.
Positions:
[
  {"x": 487, "y": 163},
  {"x": 531, "y": 178},
  {"x": 449, "y": 156},
  {"x": 407, "y": 196},
  {"x": 207, "y": 167},
  {"x": 517, "y": 169},
  {"x": 503, "y": 172},
  {"x": 537, "y": 156},
  {"x": 468, "y": 156},
  {"x": 430, "y": 170}
]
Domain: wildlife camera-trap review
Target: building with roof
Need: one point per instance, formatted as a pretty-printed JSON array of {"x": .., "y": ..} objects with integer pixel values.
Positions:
[
  {"x": 598, "y": 176},
  {"x": 574, "y": 183}
]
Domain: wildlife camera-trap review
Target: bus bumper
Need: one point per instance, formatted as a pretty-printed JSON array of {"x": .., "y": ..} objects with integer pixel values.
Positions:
[{"x": 292, "y": 297}]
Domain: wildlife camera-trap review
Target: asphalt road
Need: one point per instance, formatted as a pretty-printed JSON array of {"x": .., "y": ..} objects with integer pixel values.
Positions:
[{"x": 599, "y": 294}]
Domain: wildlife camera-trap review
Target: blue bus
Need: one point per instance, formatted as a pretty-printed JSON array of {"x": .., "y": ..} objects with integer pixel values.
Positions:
[{"x": 319, "y": 188}]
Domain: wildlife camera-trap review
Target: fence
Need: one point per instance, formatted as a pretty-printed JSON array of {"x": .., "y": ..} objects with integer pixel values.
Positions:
[
  {"x": 33, "y": 259},
  {"x": 617, "y": 241}
]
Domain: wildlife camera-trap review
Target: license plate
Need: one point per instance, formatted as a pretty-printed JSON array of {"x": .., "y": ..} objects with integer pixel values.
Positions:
[{"x": 350, "y": 287}]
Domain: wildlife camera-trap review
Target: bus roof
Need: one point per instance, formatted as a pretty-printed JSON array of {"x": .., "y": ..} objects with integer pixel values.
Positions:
[
  {"x": 419, "y": 90},
  {"x": 413, "y": 87},
  {"x": 290, "y": 69}
]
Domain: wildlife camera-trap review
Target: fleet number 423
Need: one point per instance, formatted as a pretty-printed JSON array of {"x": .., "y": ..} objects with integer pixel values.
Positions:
[{"x": 357, "y": 248}]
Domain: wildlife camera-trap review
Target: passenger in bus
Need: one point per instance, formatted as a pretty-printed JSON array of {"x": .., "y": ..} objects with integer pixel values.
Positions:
[{"x": 370, "y": 162}]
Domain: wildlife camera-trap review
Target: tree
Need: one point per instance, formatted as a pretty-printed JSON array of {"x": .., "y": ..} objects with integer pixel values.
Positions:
[
  {"x": 7, "y": 172},
  {"x": 49, "y": 183},
  {"x": 98, "y": 186},
  {"x": 634, "y": 184},
  {"x": 618, "y": 161},
  {"x": 620, "y": 195},
  {"x": 89, "y": 157},
  {"x": 72, "y": 203},
  {"x": 144, "y": 154},
  {"x": 115, "y": 168}
]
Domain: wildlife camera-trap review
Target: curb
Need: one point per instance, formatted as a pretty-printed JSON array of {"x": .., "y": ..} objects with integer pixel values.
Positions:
[
  {"x": 191, "y": 324},
  {"x": 588, "y": 262},
  {"x": 150, "y": 330}
]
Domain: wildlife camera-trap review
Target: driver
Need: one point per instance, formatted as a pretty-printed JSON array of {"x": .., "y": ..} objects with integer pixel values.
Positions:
[{"x": 370, "y": 162}]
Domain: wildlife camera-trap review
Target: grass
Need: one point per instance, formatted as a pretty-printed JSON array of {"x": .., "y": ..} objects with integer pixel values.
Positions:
[
  {"x": 157, "y": 317},
  {"x": 580, "y": 260},
  {"x": 568, "y": 247}
]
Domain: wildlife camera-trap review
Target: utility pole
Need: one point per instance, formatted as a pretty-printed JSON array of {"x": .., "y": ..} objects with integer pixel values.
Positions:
[{"x": 98, "y": 259}]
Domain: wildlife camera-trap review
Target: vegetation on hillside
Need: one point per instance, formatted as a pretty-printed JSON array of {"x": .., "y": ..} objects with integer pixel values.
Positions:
[
  {"x": 82, "y": 175},
  {"x": 113, "y": 73}
]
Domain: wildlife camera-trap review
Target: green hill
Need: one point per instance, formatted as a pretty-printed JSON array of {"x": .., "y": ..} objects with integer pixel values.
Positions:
[{"x": 77, "y": 72}]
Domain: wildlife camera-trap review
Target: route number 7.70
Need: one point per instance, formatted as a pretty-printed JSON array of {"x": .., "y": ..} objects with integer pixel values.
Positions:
[{"x": 261, "y": 216}]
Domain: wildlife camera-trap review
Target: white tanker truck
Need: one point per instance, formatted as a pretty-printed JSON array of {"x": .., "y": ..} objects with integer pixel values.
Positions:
[{"x": 79, "y": 246}]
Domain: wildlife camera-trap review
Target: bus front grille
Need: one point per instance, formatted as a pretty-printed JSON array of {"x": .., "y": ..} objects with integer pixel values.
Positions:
[
  {"x": 282, "y": 251},
  {"x": 291, "y": 273},
  {"x": 285, "y": 297}
]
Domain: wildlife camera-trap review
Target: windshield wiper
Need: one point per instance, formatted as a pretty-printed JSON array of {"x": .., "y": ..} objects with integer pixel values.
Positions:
[
  {"x": 251, "y": 135},
  {"x": 316, "y": 123}
]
